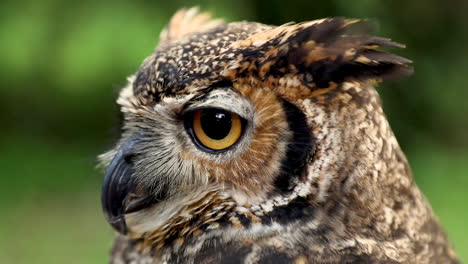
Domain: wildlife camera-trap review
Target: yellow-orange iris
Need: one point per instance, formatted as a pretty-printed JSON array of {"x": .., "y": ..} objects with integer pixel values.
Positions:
[{"x": 217, "y": 144}]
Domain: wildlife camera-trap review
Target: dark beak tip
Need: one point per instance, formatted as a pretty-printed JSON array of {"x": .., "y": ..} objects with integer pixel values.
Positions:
[
  {"x": 119, "y": 196},
  {"x": 118, "y": 223},
  {"x": 114, "y": 190}
]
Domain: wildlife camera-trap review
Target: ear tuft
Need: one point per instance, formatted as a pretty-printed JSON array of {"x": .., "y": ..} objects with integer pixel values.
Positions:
[
  {"x": 338, "y": 50},
  {"x": 188, "y": 21},
  {"x": 331, "y": 50}
]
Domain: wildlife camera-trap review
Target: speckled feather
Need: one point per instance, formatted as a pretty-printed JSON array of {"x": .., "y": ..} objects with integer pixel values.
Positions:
[{"x": 321, "y": 179}]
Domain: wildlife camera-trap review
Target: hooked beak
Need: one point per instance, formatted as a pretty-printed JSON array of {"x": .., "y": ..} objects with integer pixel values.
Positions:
[
  {"x": 116, "y": 186},
  {"x": 120, "y": 194}
]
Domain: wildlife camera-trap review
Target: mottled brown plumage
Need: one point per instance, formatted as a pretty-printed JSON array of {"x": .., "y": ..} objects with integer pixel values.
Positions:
[{"x": 317, "y": 175}]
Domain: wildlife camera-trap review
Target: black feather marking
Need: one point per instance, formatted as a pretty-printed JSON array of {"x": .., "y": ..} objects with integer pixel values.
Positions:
[
  {"x": 216, "y": 251},
  {"x": 298, "y": 149},
  {"x": 270, "y": 255},
  {"x": 296, "y": 210}
]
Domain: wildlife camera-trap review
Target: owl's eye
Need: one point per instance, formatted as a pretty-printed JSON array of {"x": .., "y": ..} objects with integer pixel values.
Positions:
[{"x": 214, "y": 129}]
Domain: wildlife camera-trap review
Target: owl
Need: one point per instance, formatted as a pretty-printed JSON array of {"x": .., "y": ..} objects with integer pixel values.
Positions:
[{"x": 249, "y": 143}]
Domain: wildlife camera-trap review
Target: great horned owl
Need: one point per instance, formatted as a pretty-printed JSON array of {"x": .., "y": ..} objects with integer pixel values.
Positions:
[{"x": 249, "y": 143}]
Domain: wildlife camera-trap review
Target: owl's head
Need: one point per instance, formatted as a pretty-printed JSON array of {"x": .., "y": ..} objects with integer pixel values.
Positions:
[{"x": 244, "y": 118}]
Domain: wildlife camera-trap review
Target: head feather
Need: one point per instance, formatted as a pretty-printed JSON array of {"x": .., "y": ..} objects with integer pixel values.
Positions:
[
  {"x": 331, "y": 50},
  {"x": 188, "y": 21}
]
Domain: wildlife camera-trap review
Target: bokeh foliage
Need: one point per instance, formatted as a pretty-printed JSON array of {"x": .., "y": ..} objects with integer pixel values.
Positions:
[{"x": 62, "y": 63}]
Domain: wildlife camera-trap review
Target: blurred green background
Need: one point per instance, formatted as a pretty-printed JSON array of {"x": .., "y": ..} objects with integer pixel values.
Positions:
[{"x": 63, "y": 62}]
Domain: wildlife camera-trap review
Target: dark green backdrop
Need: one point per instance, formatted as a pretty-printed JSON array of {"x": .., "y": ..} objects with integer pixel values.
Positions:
[{"x": 62, "y": 63}]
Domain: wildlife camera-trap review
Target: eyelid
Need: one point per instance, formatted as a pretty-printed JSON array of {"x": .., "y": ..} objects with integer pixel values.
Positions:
[
  {"x": 225, "y": 99},
  {"x": 192, "y": 109}
]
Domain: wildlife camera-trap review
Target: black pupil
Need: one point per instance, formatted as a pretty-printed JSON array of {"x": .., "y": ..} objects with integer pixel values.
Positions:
[{"x": 216, "y": 123}]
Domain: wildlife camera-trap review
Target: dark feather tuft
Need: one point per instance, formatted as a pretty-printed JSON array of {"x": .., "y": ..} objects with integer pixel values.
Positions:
[{"x": 332, "y": 50}]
